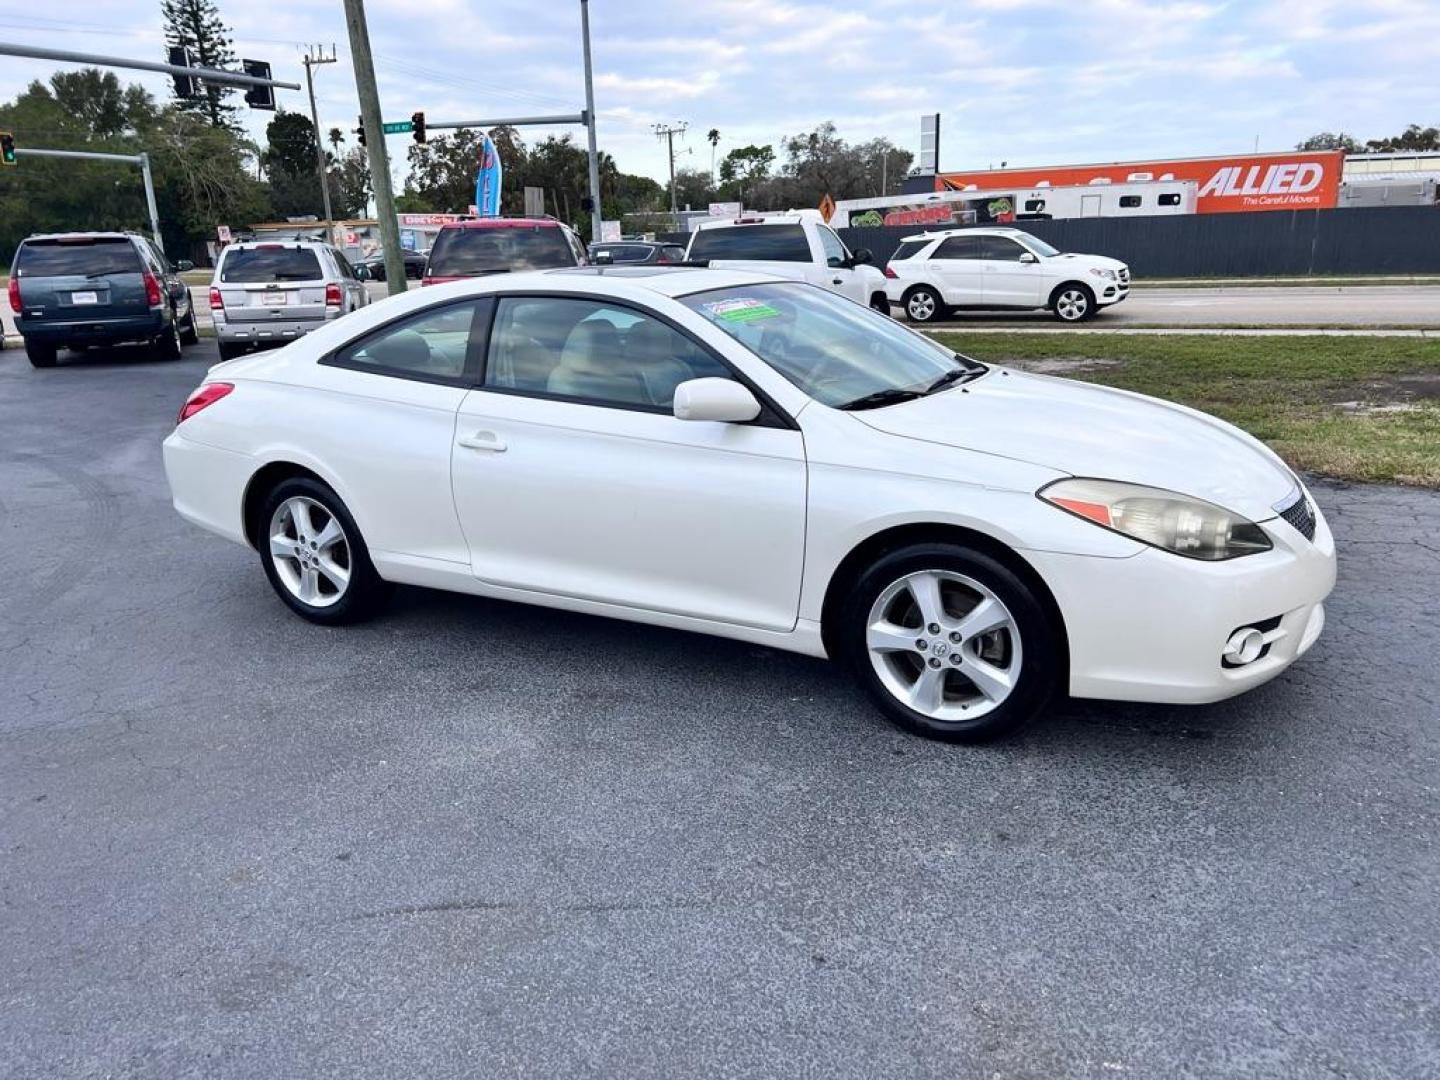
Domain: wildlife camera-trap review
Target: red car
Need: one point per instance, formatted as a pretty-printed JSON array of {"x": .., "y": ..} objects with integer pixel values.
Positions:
[{"x": 499, "y": 245}]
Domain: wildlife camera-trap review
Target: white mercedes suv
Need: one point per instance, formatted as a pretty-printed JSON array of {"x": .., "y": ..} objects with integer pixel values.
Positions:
[{"x": 999, "y": 269}]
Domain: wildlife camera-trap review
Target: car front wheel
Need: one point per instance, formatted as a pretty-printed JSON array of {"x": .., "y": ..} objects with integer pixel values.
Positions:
[
  {"x": 167, "y": 345},
  {"x": 951, "y": 643},
  {"x": 314, "y": 556},
  {"x": 923, "y": 305},
  {"x": 1073, "y": 303}
]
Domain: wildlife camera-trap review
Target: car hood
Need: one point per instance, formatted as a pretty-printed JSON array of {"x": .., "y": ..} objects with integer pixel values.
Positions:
[
  {"x": 1088, "y": 260},
  {"x": 1094, "y": 431}
]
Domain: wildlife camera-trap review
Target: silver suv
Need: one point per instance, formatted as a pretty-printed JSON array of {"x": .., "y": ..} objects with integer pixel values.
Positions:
[{"x": 270, "y": 292}]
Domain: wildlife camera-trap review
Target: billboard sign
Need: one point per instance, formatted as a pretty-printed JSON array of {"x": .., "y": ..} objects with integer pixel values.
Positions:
[
  {"x": 991, "y": 208},
  {"x": 414, "y": 220},
  {"x": 1226, "y": 185}
]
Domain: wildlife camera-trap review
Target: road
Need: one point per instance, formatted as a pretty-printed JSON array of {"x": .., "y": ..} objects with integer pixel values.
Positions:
[
  {"x": 473, "y": 838},
  {"x": 1349, "y": 306}
]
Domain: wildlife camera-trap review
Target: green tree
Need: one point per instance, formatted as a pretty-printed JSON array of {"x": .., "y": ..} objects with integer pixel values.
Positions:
[
  {"x": 289, "y": 164},
  {"x": 196, "y": 24},
  {"x": 1413, "y": 139},
  {"x": 1330, "y": 140},
  {"x": 350, "y": 183},
  {"x": 747, "y": 164}
]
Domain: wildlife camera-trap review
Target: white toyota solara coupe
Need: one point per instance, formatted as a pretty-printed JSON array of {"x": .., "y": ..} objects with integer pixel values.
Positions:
[{"x": 725, "y": 452}]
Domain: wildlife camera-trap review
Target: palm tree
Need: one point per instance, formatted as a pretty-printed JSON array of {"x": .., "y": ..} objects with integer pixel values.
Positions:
[{"x": 714, "y": 136}]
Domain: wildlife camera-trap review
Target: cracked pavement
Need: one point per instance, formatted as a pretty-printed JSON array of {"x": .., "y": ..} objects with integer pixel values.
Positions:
[{"x": 236, "y": 845}]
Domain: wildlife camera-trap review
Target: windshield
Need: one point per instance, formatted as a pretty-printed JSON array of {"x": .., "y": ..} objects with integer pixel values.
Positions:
[
  {"x": 1035, "y": 244},
  {"x": 838, "y": 352},
  {"x": 81, "y": 258},
  {"x": 265, "y": 264},
  {"x": 491, "y": 249}
]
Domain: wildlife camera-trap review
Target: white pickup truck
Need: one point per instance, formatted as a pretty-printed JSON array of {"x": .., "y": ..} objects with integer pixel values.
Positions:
[{"x": 796, "y": 245}]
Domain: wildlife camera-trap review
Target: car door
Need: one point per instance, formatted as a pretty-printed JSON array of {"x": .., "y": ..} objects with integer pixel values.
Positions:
[
  {"x": 842, "y": 276},
  {"x": 1010, "y": 281},
  {"x": 171, "y": 282},
  {"x": 355, "y": 295},
  {"x": 573, "y": 477},
  {"x": 957, "y": 268},
  {"x": 381, "y": 419}
]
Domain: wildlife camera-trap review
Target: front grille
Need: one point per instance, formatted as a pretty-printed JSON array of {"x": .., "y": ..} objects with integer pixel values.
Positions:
[
  {"x": 1125, "y": 275},
  {"x": 1301, "y": 515}
]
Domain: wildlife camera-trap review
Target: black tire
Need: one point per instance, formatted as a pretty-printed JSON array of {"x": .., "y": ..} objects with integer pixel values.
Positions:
[
  {"x": 229, "y": 350},
  {"x": 366, "y": 591},
  {"x": 881, "y": 303},
  {"x": 167, "y": 345},
  {"x": 923, "y": 304},
  {"x": 1073, "y": 302},
  {"x": 1040, "y": 664},
  {"x": 41, "y": 354},
  {"x": 190, "y": 331}
]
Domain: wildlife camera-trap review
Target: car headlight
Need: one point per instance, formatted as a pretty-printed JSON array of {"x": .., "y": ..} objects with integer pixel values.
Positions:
[
  {"x": 1177, "y": 523},
  {"x": 1108, "y": 275}
]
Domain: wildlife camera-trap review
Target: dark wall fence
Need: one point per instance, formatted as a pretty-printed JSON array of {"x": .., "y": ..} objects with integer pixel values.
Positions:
[{"x": 1275, "y": 243}]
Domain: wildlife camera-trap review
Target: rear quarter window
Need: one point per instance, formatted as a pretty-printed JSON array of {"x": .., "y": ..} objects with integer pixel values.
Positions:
[
  {"x": 770, "y": 243},
  {"x": 254, "y": 265},
  {"x": 908, "y": 249},
  {"x": 83, "y": 258},
  {"x": 466, "y": 252}
]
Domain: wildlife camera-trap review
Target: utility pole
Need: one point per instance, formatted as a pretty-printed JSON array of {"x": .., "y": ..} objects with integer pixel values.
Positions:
[
  {"x": 595, "y": 214},
  {"x": 668, "y": 133},
  {"x": 375, "y": 143},
  {"x": 310, "y": 62}
]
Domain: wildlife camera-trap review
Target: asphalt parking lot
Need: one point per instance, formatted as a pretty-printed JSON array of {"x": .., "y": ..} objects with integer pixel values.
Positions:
[{"x": 472, "y": 838}]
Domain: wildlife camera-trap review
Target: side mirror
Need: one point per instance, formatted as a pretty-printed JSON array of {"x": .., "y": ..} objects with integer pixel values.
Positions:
[
  {"x": 1029, "y": 257},
  {"x": 362, "y": 273},
  {"x": 183, "y": 265},
  {"x": 723, "y": 401},
  {"x": 861, "y": 257}
]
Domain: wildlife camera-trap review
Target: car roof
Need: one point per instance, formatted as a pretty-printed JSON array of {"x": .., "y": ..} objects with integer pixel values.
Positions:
[
  {"x": 100, "y": 234},
  {"x": 968, "y": 230},
  {"x": 502, "y": 223}
]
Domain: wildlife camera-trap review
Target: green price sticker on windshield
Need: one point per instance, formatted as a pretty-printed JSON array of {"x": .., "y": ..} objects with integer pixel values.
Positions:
[{"x": 745, "y": 309}]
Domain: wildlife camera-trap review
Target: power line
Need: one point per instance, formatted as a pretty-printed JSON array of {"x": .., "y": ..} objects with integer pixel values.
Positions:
[{"x": 668, "y": 133}]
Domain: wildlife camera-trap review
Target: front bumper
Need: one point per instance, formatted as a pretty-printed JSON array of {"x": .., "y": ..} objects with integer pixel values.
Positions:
[
  {"x": 1112, "y": 293},
  {"x": 1152, "y": 627}
]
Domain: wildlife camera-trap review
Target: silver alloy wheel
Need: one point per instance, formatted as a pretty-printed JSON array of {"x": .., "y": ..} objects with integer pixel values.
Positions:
[
  {"x": 310, "y": 552},
  {"x": 921, "y": 306},
  {"x": 944, "y": 645},
  {"x": 1071, "y": 305}
]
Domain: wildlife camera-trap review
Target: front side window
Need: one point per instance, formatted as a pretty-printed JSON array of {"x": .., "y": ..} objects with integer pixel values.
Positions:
[
  {"x": 764, "y": 243},
  {"x": 431, "y": 345},
  {"x": 1038, "y": 246},
  {"x": 592, "y": 351},
  {"x": 835, "y": 252},
  {"x": 1001, "y": 249},
  {"x": 836, "y": 351},
  {"x": 269, "y": 262}
]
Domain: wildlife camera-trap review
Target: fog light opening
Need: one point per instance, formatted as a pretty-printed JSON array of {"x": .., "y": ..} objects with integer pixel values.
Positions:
[{"x": 1245, "y": 646}]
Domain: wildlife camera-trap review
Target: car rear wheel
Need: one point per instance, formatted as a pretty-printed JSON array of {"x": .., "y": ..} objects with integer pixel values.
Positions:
[
  {"x": 40, "y": 353},
  {"x": 314, "y": 556},
  {"x": 167, "y": 345},
  {"x": 1073, "y": 303},
  {"x": 190, "y": 335},
  {"x": 881, "y": 303},
  {"x": 951, "y": 643},
  {"x": 923, "y": 304}
]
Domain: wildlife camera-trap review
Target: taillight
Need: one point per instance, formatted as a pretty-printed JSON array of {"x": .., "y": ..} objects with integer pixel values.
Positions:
[
  {"x": 203, "y": 397},
  {"x": 332, "y": 295},
  {"x": 891, "y": 274},
  {"x": 152, "y": 289},
  {"x": 216, "y": 304},
  {"x": 15, "y": 295}
]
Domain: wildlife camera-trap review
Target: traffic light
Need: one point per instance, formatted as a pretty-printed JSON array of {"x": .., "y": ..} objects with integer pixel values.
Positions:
[
  {"x": 186, "y": 86},
  {"x": 418, "y": 122},
  {"x": 360, "y": 131},
  {"x": 258, "y": 97},
  {"x": 7, "y": 148}
]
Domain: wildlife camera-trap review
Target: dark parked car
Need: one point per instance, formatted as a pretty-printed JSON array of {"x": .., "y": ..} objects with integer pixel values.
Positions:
[
  {"x": 636, "y": 251},
  {"x": 72, "y": 290},
  {"x": 501, "y": 245},
  {"x": 374, "y": 265}
]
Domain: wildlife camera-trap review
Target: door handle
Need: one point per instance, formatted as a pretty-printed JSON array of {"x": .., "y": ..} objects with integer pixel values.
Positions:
[
  {"x": 837, "y": 281},
  {"x": 483, "y": 440}
]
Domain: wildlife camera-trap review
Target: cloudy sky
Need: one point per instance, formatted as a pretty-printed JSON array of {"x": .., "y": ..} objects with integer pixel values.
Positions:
[{"x": 1022, "y": 81}]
